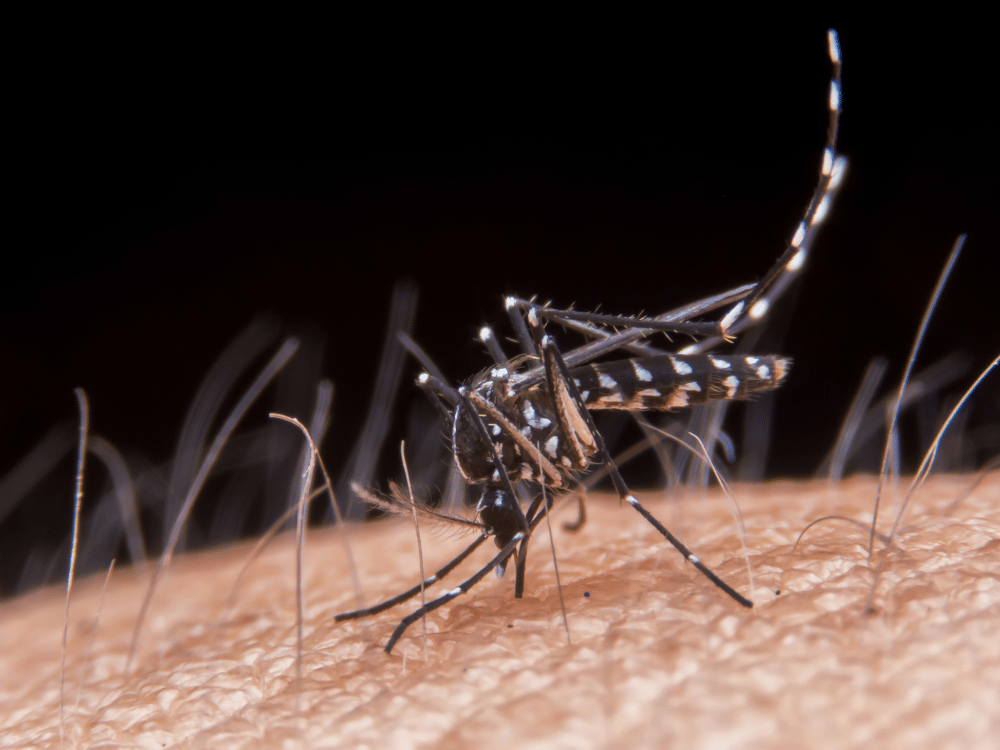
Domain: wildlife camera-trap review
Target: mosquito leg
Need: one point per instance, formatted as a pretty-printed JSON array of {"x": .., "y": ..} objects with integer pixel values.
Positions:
[
  {"x": 581, "y": 517},
  {"x": 753, "y": 309},
  {"x": 487, "y": 336},
  {"x": 558, "y": 369},
  {"x": 407, "y": 595},
  {"x": 500, "y": 558},
  {"x": 522, "y": 552},
  {"x": 513, "y": 305}
]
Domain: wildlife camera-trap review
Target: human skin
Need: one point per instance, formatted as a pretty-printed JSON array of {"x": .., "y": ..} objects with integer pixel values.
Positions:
[{"x": 655, "y": 655}]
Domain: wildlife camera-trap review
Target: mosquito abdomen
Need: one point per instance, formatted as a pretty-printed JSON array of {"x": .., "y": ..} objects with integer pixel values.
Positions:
[{"x": 674, "y": 381}]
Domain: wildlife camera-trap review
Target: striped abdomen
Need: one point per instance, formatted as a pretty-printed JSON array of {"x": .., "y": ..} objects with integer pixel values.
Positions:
[{"x": 673, "y": 381}]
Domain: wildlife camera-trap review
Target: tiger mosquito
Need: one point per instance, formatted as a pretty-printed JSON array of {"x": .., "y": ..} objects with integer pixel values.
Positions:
[{"x": 528, "y": 417}]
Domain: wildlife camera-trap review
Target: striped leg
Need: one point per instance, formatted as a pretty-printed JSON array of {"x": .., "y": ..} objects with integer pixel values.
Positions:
[{"x": 585, "y": 440}]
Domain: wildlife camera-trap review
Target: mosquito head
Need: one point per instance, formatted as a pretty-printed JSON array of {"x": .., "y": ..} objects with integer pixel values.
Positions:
[{"x": 500, "y": 515}]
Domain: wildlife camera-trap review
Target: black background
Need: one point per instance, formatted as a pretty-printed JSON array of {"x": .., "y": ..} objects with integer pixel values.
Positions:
[{"x": 172, "y": 181}]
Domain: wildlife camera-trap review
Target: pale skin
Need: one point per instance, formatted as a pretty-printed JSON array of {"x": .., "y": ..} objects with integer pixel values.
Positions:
[{"x": 659, "y": 657}]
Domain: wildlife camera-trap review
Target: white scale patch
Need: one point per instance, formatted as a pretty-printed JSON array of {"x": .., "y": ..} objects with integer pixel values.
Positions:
[
  {"x": 759, "y": 310},
  {"x": 839, "y": 168},
  {"x": 606, "y": 381},
  {"x": 732, "y": 383},
  {"x": 798, "y": 260},
  {"x": 752, "y": 360},
  {"x": 692, "y": 386},
  {"x": 552, "y": 445},
  {"x": 821, "y": 211},
  {"x": 731, "y": 316},
  {"x": 649, "y": 393},
  {"x": 641, "y": 372},
  {"x": 800, "y": 234},
  {"x": 720, "y": 364},
  {"x": 680, "y": 367},
  {"x": 495, "y": 429},
  {"x": 532, "y": 418},
  {"x": 764, "y": 372}
]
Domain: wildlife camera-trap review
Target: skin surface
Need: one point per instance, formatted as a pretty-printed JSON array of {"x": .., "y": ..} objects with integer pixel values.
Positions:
[{"x": 659, "y": 657}]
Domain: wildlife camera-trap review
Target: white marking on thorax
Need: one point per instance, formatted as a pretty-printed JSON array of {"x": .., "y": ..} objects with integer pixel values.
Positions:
[
  {"x": 532, "y": 418},
  {"x": 552, "y": 445}
]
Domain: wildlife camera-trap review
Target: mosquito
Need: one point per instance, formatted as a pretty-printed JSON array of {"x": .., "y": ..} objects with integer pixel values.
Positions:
[{"x": 528, "y": 417}]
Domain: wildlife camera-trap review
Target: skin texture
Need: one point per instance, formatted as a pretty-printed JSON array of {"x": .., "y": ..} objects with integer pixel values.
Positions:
[{"x": 659, "y": 657}]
